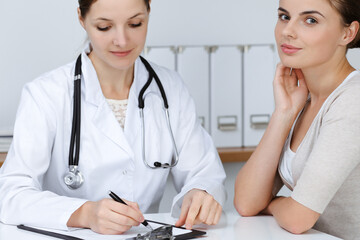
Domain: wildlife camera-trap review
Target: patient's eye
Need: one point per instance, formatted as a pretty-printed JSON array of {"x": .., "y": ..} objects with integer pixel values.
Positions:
[
  {"x": 283, "y": 17},
  {"x": 311, "y": 20}
]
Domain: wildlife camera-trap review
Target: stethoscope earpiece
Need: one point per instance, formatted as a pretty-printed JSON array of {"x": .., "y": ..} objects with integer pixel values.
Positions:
[
  {"x": 161, "y": 165},
  {"x": 157, "y": 164}
]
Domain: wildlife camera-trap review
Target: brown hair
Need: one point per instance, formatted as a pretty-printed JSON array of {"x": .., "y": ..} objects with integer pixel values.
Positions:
[
  {"x": 85, "y": 5},
  {"x": 350, "y": 12}
]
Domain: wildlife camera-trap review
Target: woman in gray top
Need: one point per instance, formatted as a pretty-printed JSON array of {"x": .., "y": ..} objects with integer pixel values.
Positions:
[{"x": 312, "y": 143}]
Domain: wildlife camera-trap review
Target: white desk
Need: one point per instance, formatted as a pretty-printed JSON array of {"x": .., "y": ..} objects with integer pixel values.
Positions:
[{"x": 231, "y": 226}]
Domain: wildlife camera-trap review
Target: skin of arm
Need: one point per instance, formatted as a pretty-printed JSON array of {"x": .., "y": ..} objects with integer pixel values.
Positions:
[
  {"x": 291, "y": 215},
  {"x": 253, "y": 186},
  {"x": 254, "y": 183}
]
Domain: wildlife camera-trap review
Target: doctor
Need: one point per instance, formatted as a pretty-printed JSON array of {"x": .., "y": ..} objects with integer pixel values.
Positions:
[{"x": 112, "y": 137}]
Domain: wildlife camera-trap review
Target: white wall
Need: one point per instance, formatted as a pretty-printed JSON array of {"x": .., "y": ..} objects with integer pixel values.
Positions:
[
  {"x": 212, "y": 22},
  {"x": 36, "y": 36}
]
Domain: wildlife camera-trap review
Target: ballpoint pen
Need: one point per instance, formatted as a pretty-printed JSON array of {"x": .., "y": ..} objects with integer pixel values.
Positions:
[{"x": 118, "y": 199}]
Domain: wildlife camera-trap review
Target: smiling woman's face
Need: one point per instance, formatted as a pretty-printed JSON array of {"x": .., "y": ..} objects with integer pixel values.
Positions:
[
  {"x": 117, "y": 31},
  {"x": 308, "y": 33}
]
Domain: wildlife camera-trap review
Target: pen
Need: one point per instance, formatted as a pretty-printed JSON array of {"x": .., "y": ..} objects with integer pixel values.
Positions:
[{"x": 118, "y": 199}]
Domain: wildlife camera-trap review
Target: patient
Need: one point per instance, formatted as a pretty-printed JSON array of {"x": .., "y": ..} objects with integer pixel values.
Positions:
[{"x": 312, "y": 143}]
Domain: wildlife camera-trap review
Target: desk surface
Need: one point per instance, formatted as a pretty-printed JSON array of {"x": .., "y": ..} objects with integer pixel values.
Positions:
[{"x": 231, "y": 226}]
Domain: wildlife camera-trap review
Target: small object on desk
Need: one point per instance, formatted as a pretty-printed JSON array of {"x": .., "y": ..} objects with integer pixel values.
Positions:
[
  {"x": 118, "y": 199},
  {"x": 161, "y": 233},
  {"x": 48, "y": 233}
]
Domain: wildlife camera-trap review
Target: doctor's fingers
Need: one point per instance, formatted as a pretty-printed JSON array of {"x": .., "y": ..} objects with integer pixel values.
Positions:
[
  {"x": 218, "y": 215},
  {"x": 214, "y": 210},
  {"x": 132, "y": 204},
  {"x": 124, "y": 220},
  {"x": 208, "y": 210},
  {"x": 200, "y": 200},
  {"x": 184, "y": 211},
  {"x": 127, "y": 211},
  {"x": 110, "y": 228}
]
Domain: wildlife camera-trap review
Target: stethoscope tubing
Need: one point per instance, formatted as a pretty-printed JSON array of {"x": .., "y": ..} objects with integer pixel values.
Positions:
[
  {"x": 76, "y": 123},
  {"x": 152, "y": 74},
  {"x": 74, "y": 178}
]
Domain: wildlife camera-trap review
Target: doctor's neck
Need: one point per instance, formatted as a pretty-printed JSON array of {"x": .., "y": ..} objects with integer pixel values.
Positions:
[{"x": 115, "y": 83}]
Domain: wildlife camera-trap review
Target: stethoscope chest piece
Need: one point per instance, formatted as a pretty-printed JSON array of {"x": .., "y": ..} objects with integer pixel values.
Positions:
[{"x": 73, "y": 179}]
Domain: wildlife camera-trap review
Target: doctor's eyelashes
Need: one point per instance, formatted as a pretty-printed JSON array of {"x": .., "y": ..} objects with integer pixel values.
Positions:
[
  {"x": 135, "y": 25},
  {"x": 103, "y": 29}
]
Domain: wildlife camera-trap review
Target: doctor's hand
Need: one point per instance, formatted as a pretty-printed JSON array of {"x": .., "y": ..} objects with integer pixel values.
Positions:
[
  {"x": 107, "y": 216},
  {"x": 199, "y": 207},
  {"x": 290, "y": 91}
]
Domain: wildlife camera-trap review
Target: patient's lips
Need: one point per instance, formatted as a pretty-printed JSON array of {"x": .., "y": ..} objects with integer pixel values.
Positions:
[{"x": 289, "y": 49}]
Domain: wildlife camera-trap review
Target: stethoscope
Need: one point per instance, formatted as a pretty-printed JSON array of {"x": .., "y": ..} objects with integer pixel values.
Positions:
[{"x": 74, "y": 178}]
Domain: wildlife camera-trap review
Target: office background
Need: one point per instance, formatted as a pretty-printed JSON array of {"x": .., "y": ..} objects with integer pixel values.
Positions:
[{"x": 40, "y": 35}]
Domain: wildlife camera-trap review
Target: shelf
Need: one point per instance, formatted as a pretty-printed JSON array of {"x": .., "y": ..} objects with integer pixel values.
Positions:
[
  {"x": 239, "y": 154},
  {"x": 2, "y": 158}
]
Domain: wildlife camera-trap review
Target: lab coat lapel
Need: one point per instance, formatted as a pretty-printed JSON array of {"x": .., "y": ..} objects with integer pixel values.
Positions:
[
  {"x": 103, "y": 117},
  {"x": 132, "y": 122}
]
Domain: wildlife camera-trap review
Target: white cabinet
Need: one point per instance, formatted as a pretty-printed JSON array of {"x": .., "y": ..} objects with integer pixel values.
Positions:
[
  {"x": 231, "y": 87},
  {"x": 259, "y": 67},
  {"x": 163, "y": 56},
  {"x": 193, "y": 66},
  {"x": 226, "y": 76}
]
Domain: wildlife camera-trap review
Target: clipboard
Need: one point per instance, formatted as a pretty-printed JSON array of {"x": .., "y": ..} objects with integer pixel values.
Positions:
[{"x": 192, "y": 234}]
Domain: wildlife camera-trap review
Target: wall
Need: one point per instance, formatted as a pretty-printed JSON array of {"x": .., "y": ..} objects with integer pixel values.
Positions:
[
  {"x": 212, "y": 22},
  {"x": 37, "y": 36}
]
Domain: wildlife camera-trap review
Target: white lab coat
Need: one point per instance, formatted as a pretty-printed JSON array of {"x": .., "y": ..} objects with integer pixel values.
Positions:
[{"x": 32, "y": 189}]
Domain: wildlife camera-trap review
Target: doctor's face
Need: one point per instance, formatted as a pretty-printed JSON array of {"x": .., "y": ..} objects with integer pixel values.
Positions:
[
  {"x": 308, "y": 33},
  {"x": 117, "y": 31}
]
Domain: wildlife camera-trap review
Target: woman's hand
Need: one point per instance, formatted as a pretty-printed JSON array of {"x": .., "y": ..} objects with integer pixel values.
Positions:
[
  {"x": 199, "y": 207},
  {"x": 107, "y": 216},
  {"x": 290, "y": 91}
]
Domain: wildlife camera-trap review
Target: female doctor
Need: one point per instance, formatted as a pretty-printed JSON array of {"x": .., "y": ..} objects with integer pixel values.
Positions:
[{"x": 117, "y": 148}]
